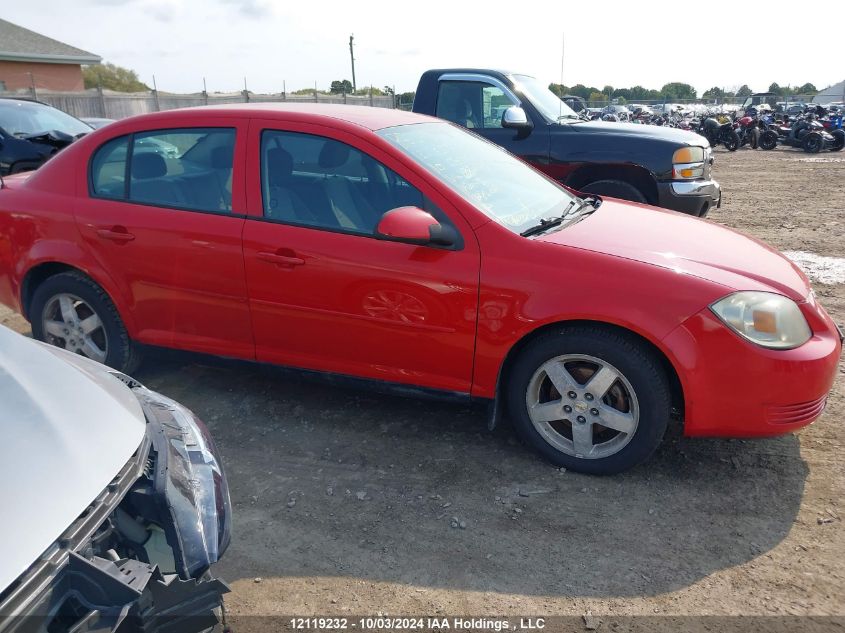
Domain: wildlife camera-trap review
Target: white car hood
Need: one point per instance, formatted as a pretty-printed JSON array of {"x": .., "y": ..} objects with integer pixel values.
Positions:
[{"x": 67, "y": 428}]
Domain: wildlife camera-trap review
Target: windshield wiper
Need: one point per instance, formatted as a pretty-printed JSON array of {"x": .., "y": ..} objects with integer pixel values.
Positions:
[
  {"x": 578, "y": 213},
  {"x": 547, "y": 223}
]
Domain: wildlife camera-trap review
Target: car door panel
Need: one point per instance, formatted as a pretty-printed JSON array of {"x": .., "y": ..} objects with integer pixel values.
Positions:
[
  {"x": 351, "y": 304},
  {"x": 181, "y": 271}
]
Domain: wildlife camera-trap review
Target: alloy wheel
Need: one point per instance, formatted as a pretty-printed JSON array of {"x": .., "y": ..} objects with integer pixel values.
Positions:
[
  {"x": 72, "y": 324},
  {"x": 582, "y": 406}
]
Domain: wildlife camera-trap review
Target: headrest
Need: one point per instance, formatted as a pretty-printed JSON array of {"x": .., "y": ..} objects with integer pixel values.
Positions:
[
  {"x": 279, "y": 165},
  {"x": 222, "y": 157},
  {"x": 148, "y": 165},
  {"x": 333, "y": 154}
]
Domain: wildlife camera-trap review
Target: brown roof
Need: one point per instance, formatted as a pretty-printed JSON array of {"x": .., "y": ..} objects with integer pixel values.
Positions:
[{"x": 18, "y": 44}]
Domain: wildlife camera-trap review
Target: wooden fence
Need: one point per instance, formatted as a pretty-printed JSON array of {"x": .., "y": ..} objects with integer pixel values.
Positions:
[{"x": 118, "y": 105}]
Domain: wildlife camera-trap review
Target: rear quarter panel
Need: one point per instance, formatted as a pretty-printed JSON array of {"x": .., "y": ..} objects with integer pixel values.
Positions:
[{"x": 37, "y": 225}]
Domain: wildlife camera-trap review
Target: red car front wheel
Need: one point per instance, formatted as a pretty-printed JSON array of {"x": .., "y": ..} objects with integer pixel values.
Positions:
[{"x": 591, "y": 399}]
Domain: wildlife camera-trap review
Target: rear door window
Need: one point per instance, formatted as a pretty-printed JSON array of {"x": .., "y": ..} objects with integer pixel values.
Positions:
[
  {"x": 185, "y": 169},
  {"x": 178, "y": 168}
]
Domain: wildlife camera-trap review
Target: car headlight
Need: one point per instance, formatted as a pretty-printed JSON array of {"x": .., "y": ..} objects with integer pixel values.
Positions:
[
  {"x": 189, "y": 479},
  {"x": 688, "y": 163},
  {"x": 764, "y": 318}
]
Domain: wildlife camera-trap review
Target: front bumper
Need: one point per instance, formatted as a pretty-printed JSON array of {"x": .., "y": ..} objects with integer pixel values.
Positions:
[
  {"x": 70, "y": 589},
  {"x": 695, "y": 197},
  {"x": 733, "y": 388}
]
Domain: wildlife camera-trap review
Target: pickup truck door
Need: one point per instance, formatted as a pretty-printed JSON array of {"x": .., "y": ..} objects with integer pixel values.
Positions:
[{"x": 477, "y": 102}]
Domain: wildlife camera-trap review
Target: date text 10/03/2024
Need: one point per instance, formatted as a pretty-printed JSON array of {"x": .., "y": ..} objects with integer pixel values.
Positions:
[{"x": 383, "y": 623}]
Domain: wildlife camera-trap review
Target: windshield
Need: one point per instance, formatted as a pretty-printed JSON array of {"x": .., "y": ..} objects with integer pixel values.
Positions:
[
  {"x": 498, "y": 184},
  {"x": 25, "y": 118},
  {"x": 547, "y": 102}
]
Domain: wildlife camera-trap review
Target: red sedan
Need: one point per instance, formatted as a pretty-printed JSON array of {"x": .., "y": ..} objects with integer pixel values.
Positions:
[{"x": 392, "y": 247}]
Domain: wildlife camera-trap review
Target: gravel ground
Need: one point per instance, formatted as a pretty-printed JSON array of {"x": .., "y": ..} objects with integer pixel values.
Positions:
[{"x": 346, "y": 502}]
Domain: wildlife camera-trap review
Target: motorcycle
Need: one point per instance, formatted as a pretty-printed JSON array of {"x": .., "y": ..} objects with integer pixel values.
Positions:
[
  {"x": 747, "y": 130},
  {"x": 717, "y": 132},
  {"x": 811, "y": 136}
]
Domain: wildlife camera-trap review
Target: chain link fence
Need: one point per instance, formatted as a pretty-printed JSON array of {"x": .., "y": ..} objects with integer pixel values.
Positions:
[{"x": 97, "y": 103}]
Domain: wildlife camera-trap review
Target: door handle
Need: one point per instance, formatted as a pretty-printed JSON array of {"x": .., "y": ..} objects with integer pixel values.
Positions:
[
  {"x": 281, "y": 260},
  {"x": 116, "y": 234}
]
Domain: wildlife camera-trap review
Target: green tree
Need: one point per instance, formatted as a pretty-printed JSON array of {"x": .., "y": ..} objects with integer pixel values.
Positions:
[
  {"x": 597, "y": 97},
  {"x": 341, "y": 86},
  {"x": 111, "y": 77},
  {"x": 744, "y": 91},
  {"x": 677, "y": 90},
  {"x": 807, "y": 89},
  {"x": 608, "y": 90},
  {"x": 405, "y": 100},
  {"x": 365, "y": 92},
  {"x": 559, "y": 89},
  {"x": 775, "y": 88},
  {"x": 580, "y": 90},
  {"x": 714, "y": 93},
  {"x": 638, "y": 93},
  {"x": 623, "y": 94}
]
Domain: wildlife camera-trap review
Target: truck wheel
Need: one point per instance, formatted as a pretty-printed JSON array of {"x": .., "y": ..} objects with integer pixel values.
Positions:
[
  {"x": 70, "y": 311},
  {"x": 591, "y": 399},
  {"x": 615, "y": 189},
  {"x": 768, "y": 140}
]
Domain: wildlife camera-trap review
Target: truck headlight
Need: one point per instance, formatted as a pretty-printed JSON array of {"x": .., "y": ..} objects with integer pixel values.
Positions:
[
  {"x": 688, "y": 163},
  {"x": 189, "y": 482},
  {"x": 765, "y": 318}
]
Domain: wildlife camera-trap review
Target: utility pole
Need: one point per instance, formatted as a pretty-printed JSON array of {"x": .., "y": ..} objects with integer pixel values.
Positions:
[{"x": 352, "y": 57}]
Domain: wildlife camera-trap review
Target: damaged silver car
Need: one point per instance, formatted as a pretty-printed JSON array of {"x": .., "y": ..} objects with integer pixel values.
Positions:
[{"x": 114, "y": 500}]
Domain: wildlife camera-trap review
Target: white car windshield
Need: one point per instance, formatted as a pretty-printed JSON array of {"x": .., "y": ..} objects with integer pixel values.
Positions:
[
  {"x": 497, "y": 183},
  {"x": 547, "y": 102}
]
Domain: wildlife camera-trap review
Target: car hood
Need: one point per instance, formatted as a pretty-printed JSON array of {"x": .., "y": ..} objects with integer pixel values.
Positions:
[
  {"x": 637, "y": 131},
  {"x": 684, "y": 244},
  {"x": 68, "y": 427}
]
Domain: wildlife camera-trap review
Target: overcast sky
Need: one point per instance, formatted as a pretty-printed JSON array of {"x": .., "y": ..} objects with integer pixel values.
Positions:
[{"x": 270, "y": 41}]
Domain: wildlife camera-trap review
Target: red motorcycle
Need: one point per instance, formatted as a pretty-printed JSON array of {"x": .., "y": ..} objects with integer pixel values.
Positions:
[{"x": 748, "y": 131}]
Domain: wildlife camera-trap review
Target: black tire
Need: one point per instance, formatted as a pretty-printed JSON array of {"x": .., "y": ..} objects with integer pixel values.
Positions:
[
  {"x": 615, "y": 189},
  {"x": 812, "y": 143},
  {"x": 633, "y": 360},
  {"x": 731, "y": 141},
  {"x": 768, "y": 140},
  {"x": 122, "y": 354},
  {"x": 838, "y": 140}
]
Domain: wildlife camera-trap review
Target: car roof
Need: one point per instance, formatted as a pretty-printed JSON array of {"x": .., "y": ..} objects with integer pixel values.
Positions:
[{"x": 369, "y": 117}]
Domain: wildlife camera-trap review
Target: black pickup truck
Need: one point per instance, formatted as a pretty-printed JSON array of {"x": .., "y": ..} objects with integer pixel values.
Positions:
[{"x": 650, "y": 164}]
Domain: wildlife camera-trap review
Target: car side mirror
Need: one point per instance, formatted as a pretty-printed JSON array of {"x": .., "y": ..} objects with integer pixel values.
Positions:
[
  {"x": 515, "y": 117},
  {"x": 415, "y": 226}
]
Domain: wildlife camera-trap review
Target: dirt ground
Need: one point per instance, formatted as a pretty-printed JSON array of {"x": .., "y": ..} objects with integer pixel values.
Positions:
[{"x": 344, "y": 500}]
